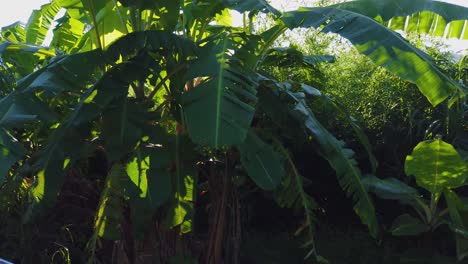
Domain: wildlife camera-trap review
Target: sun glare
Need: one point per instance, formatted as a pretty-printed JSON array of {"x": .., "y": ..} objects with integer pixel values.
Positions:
[{"x": 18, "y": 10}]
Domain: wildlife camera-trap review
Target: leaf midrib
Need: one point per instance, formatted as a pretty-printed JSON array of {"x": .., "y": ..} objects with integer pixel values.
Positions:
[{"x": 219, "y": 95}]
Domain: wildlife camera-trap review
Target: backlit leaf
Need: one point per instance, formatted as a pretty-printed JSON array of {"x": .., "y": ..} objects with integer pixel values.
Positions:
[{"x": 436, "y": 165}]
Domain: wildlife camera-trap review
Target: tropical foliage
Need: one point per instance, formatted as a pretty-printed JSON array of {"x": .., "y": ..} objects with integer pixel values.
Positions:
[{"x": 155, "y": 108}]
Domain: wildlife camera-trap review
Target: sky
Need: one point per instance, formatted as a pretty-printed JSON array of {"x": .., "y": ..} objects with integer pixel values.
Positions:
[{"x": 18, "y": 10}]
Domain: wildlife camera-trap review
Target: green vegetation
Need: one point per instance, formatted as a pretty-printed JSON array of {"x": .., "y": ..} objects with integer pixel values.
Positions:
[{"x": 157, "y": 132}]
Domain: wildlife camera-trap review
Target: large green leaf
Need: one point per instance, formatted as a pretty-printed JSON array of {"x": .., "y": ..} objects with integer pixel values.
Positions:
[
  {"x": 279, "y": 97},
  {"x": 435, "y": 18},
  {"x": 383, "y": 46},
  {"x": 161, "y": 171},
  {"x": 263, "y": 164},
  {"x": 39, "y": 23},
  {"x": 219, "y": 110},
  {"x": 436, "y": 165},
  {"x": 150, "y": 184}
]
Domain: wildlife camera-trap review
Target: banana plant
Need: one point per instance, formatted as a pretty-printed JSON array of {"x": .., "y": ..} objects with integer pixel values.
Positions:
[
  {"x": 163, "y": 89},
  {"x": 438, "y": 168}
]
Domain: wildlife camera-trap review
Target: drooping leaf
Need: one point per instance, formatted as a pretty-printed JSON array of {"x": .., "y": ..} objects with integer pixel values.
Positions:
[
  {"x": 9, "y": 48},
  {"x": 292, "y": 194},
  {"x": 54, "y": 79},
  {"x": 263, "y": 164},
  {"x": 342, "y": 161},
  {"x": 407, "y": 225},
  {"x": 359, "y": 133},
  {"x": 436, "y": 165},
  {"x": 62, "y": 74},
  {"x": 341, "y": 109},
  {"x": 25, "y": 58},
  {"x": 340, "y": 158},
  {"x": 423, "y": 16},
  {"x": 383, "y": 46},
  {"x": 219, "y": 110}
]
